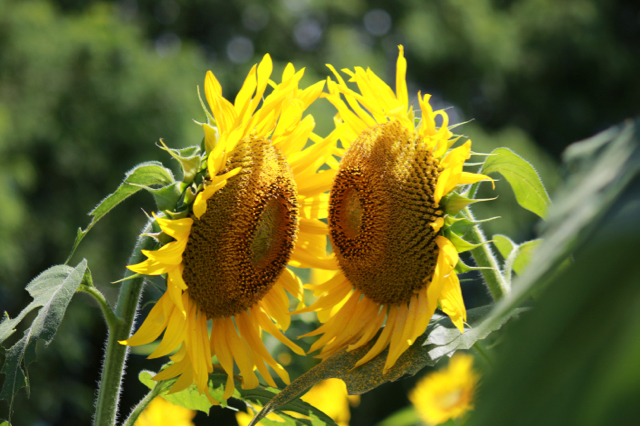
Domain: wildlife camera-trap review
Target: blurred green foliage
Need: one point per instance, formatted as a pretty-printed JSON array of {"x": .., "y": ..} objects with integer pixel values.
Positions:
[
  {"x": 575, "y": 358},
  {"x": 87, "y": 87}
]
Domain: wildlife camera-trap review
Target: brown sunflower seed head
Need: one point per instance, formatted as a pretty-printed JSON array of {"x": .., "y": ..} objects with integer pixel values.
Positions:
[
  {"x": 380, "y": 213},
  {"x": 243, "y": 241}
]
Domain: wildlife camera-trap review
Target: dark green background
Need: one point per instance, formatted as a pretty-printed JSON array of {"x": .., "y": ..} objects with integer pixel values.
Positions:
[{"x": 87, "y": 88}]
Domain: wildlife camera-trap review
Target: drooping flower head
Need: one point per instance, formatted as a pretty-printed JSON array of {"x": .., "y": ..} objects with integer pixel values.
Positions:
[
  {"x": 448, "y": 393},
  {"x": 226, "y": 266},
  {"x": 386, "y": 216}
]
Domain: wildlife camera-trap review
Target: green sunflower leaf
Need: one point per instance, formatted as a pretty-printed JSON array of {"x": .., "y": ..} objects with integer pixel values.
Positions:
[
  {"x": 525, "y": 251},
  {"x": 144, "y": 175},
  {"x": 407, "y": 416},
  {"x": 523, "y": 178},
  {"x": 575, "y": 358},
  {"x": 504, "y": 245},
  {"x": 191, "y": 399},
  {"x": 425, "y": 351},
  {"x": 603, "y": 166},
  {"x": 52, "y": 291},
  {"x": 517, "y": 256}
]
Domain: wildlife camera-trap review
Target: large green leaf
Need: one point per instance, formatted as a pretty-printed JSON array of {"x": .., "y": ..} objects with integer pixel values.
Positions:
[
  {"x": 143, "y": 176},
  {"x": 504, "y": 245},
  {"x": 602, "y": 167},
  {"x": 517, "y": 256},
  {"x": 190, "y": 398},
  {"x": 52, "y": 291},
  {"x": 575, "y": 358},
  {"x": 441, "y": 338},
  {"x": 522, "y": 177},
  {"x": 525, "y": 253}
]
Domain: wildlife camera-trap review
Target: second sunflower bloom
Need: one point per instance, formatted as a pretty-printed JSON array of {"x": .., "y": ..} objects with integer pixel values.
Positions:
[{"x": 386, "y": 214}]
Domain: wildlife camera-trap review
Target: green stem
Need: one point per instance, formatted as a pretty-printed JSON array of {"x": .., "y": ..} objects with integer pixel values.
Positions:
[
  {"x": 484, "y": 257},
  {"x": 112, "y": 320},
  {"x": 483, "y": 352},
  {"x": 116, "y": 354},
  {"x": 138, "y": 409}
]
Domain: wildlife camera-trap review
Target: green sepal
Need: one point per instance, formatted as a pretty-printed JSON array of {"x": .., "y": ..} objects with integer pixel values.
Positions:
[
  {"x": 189, "y": 196},
  {"x": 453, "y": 203},
  {"x": 458, "y": 225},
  {"x": 460, "y": 244},
  {"x": 127, "y": 278},
  {"x": 210, "y": 120},
  {"x": 523, "y": 178},
  {"x": 462, "y": 225},
  {"x": 462, "y": 268},
  {"x": 191, "y": 399},
  {"x": 177, "y": 215},
  {"x": 189, "y": 159},
  {"x": 156, "y": 236}
]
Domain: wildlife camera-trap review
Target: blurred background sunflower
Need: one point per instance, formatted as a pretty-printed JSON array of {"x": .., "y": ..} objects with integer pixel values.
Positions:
[{"x": 88, "y": 87}]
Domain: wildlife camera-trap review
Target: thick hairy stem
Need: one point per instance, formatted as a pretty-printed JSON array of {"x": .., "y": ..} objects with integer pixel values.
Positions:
[
  {"x": 484, "y": 257},
  {"x": 116, "y": 354}
]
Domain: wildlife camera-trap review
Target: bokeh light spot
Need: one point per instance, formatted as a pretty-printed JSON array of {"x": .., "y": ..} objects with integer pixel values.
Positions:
[
  {"x": 377, "y": 22},
  {"x": 240, "y": 50}
]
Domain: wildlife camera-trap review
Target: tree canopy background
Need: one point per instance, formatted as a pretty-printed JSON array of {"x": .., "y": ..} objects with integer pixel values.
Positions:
[{"x": 87, "y": 88}]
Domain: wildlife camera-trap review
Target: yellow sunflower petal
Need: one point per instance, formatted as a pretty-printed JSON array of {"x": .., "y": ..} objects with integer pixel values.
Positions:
[
  {"x": 401, "y": 79},
  {"x": 397, "y": 345},
  {"x": 383, "y": 339},
  {"x": 173, "y": 335},
  {"x": 292, "y": 284},
  {"x": 220, "y": 348},
  {"x": 271, "y": 328},
  {"x": 243, "y": 98},
  {"x": 451, "y": 301},
  {"x": 223, "y": 111},
  {"x": 151, "y": 328},
  {"x": 175, "y": 228},
  {"x": 242, "y": 356}
]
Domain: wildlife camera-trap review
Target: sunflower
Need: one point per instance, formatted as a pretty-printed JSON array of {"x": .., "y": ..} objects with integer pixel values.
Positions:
[
  {"x": 446, "y": 394},
  {"x": 386, "y": 218},
  {"x": 255, "y": 208}
]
